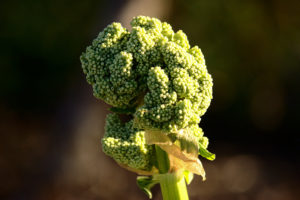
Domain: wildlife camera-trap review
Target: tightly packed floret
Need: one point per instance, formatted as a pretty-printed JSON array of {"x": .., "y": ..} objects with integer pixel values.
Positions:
[
  {"x": 126, "y": 144},
  {"x": 152, "y": 63}
]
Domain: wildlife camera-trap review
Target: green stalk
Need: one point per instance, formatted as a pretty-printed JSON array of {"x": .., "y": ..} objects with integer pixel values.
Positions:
[
  {"x": 173, "y": 188},
  {"x": 172, "y": 185}
]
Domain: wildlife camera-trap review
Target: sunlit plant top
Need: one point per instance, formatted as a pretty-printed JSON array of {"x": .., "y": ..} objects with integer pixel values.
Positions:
[{"x": 153, "y": 76}]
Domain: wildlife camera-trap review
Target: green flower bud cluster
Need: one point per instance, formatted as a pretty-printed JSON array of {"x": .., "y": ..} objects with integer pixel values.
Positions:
[
  {"x": 126, "y": 144},
  {"x": 153, "y": 72},
  {"x": 153, "y": 61}
]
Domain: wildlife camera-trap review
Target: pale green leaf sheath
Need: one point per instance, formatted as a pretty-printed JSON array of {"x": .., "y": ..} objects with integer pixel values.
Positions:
[{"x": 152, "y": 75}]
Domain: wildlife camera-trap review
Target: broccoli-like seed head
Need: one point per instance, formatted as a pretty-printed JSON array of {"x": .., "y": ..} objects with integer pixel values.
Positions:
[
  {"x": 156, "y": 62},
  {"x": 153, "y": 71}
]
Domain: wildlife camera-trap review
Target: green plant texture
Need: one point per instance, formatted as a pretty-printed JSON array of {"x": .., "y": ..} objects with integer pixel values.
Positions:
[{"x": 160, "y": 83}]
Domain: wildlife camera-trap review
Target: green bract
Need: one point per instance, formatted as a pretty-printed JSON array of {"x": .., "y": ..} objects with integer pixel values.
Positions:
[{"x": 153, "y": 75}]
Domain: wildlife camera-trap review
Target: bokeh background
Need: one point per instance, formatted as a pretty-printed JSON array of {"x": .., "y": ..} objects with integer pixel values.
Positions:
[{"x": 51, "y": 125}]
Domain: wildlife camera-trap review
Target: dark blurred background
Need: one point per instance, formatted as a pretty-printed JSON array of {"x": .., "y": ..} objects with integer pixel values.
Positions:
[{"x": 51, "y": 125}]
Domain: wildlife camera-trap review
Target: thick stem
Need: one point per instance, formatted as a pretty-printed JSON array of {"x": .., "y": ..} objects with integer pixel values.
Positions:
[{"x": 172, "y": 185}]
